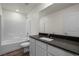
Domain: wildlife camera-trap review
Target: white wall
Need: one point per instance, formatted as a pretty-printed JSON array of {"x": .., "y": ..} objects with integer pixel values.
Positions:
[
  {"x": 34, "y": 18},
  {"x": 0, "y": 24},
  {"x": 14, "y": 25},
  {"x": 57, "y": 22},
  {"x": 0, "y": 9},
  {"x": 0, "y": 30}
]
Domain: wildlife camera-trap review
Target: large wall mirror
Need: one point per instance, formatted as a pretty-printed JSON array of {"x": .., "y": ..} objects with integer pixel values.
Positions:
[
  {"x": 71, "y": 24},
  {"x": 63, "y": 22}
]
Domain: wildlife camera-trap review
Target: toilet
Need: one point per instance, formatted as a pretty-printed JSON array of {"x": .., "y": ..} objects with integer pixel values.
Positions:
[{"x": 25, "y": 46}]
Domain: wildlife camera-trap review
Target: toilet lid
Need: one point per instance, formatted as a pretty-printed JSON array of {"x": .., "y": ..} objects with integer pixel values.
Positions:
[{"x": 25, "y": 44}]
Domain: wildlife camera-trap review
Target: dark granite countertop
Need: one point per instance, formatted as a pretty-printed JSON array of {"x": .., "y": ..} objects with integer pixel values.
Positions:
[{"x": 64, "y": 44}]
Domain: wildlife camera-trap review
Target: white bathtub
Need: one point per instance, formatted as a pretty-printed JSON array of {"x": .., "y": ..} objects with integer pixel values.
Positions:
[
  {"x": 11, "y": 45},
  {"x": 13, "y": 41}
]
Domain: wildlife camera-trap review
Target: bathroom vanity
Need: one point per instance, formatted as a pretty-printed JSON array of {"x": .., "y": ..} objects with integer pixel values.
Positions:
[{"x": 56, "y": 47}]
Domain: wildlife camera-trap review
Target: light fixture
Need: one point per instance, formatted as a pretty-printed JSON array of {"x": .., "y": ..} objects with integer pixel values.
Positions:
[{"x": 17, "y": 10}]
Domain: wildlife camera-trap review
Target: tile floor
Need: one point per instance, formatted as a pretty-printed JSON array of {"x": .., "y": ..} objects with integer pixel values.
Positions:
[{"x": 18, "y": 52}]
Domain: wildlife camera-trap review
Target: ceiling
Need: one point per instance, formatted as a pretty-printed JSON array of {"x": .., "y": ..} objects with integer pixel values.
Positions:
[
  {"x": 27, "y": 7},
  {"x": 22, "y": 7},
  {"x": 55, "y": 7}
]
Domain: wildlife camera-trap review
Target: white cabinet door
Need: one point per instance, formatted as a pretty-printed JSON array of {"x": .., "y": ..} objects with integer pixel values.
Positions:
[
  {"x": 41, "y": 44},
  {"x": 32, "y": 47},
  {"x": 58, "y": 52},
  {"x": 40, "y": 51},
  {"x": 41, "y": 48}
]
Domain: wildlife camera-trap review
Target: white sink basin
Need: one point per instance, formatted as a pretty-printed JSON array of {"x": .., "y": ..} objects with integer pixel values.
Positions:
[{"x": 46, "y": 39}]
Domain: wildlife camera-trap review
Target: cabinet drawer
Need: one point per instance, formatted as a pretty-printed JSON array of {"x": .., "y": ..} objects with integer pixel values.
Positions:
[
  {"x": 58, "y": 52},
  {"x": 41, "y": 44}
]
